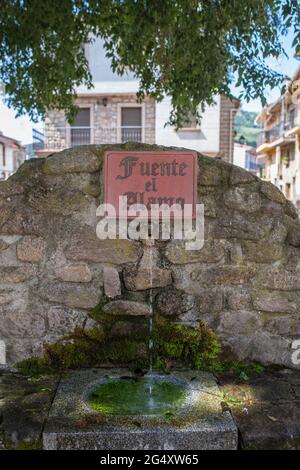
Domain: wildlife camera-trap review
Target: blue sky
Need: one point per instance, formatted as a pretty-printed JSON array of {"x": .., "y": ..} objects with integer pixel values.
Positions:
[{"x": 21, "y": 128}]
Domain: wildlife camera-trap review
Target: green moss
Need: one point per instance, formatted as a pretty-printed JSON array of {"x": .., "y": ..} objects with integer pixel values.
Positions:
[
  {"x": 137, "y": 397},
  {"x": 97, "y": 312},
  {"x": 241, "y": 370},
  {"x": 195, "y": 348},
  {"x": 34, "y": 366},
  {"x": 86, "y": 349},
  {"x": 174, "y": 344},
  {"x": 34, "y": 444},
  {"x": 23, "y": 444}
]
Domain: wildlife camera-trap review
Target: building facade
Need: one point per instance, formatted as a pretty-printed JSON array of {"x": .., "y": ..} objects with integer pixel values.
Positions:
[
  {"x": 12, "y": 154},
  {"x": 245, "y": 156},
  {"x": 110, "y": 113},
  {"x": 278, "y": 148}
]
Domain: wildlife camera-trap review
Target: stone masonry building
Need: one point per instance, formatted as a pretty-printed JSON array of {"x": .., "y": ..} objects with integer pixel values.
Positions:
[{"x": 110, "y": 113}]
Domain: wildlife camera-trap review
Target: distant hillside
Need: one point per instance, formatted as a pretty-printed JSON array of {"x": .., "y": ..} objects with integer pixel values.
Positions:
[{"x": 245, "y": 126}]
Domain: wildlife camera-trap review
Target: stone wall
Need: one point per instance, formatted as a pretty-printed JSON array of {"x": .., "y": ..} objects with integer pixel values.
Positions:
[
  {"x": 228, "y": 109},
  {"x": 104, "y": 121},
  {"x": 245, "y": 282}
]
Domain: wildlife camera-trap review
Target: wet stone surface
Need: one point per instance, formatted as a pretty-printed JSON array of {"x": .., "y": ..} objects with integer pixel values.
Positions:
[
  {"x": 24, "y": 408},
  {"x": 265, "y": 409},
  {"x": 199, "y": 423}
]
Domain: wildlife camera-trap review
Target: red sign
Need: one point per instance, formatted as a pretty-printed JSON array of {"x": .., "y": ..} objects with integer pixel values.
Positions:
[{"x": 151, "y": 178}]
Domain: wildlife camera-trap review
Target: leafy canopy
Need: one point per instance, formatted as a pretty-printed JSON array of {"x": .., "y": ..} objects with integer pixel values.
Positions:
[{"x": 188, "y": 49}]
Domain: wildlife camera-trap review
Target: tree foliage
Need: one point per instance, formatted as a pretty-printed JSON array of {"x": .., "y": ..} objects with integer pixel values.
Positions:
[{"x": 188, "y": 49}]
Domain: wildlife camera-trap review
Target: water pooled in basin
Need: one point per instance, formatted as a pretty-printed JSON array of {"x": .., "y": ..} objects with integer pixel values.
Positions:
[{"x": 149, "y": 395}]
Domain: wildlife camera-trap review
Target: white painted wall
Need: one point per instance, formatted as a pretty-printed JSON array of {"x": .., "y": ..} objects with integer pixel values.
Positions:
[
  {"x": 105, "y": 81},
  {"x": 100, "y": 65},
  {"x": 243, "y": 156},
  {"x": 239, "y": 156},
  {"x": 8, "y": 168},
  {"x": 273, "y": 171},
  {"x": 204, "y": 139}
]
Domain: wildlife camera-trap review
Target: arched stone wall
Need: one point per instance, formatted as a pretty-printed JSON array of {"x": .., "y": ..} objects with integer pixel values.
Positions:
[{"x": 245, "y": 282}]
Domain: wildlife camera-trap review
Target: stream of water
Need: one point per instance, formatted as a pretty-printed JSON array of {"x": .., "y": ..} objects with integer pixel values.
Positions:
[{"x": 151, "y": 313}]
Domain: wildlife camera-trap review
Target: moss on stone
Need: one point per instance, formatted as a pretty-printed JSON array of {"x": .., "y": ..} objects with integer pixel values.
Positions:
[
  {"x": 88, "y": 350},
  {"x": 28, "y": 169},
  {"x": 242, "y": 370},
  {"x": 132, "y": 397},
  {"x": 33, "y": 366},
  {"x": 34, "y": 444},
  {"x": 127, "y": 351},
  {"x": 195, "y": 348},
  {"x": 173, "y": 344},
  {"x": 97, "y": 312}
]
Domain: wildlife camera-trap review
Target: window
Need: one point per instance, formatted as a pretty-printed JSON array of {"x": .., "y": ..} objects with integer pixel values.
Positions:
[
  {"x": 80, "y": 129},
  {"x": 291, "y": 119},
  {"x": 131, "y": 124}
]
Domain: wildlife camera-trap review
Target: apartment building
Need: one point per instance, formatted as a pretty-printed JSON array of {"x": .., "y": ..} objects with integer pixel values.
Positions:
[
  {"x": 12, "y": 154},
  {"x": 110, "y": 113},
  {"x": 278, "y": 148}
]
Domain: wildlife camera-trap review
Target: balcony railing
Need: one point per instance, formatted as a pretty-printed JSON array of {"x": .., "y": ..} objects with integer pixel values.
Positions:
[
  {"x": 278, "y": 131},
  {"x": 292, "y": 119},
  {"x": 38, "y": 139},
  {"x": 133, "y": 134},
  {"x": 79, "y": 136},
  {"x": 269, "y": 135},
  {"x": 59, "y": 138}
]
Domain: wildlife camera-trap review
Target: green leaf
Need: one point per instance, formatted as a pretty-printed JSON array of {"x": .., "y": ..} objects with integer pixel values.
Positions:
[{"x": 188, "y": 50}]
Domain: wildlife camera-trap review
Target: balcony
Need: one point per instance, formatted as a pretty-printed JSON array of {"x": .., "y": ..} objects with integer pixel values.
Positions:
[
  {"x": 53, "y": 138},
  {"x": 270, "y": 135},
  {"x": 292, "y": 126},
  {"x": 277, "y": 135},
  {"x": 38, "y": 139}
]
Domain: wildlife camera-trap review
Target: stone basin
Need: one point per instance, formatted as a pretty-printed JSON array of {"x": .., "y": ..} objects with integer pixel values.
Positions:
[
  {"x": 151, "y": 395},
  {"x": 186, "y": 412}
]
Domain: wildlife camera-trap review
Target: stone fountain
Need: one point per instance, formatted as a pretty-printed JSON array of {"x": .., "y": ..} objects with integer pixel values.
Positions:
[{"x": 70, "y": 301}]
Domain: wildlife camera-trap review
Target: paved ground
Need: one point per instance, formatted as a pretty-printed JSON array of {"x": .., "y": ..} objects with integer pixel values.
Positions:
[
  {"x": 266, "y": 409},
  {"x": 24, "y": 408}
]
